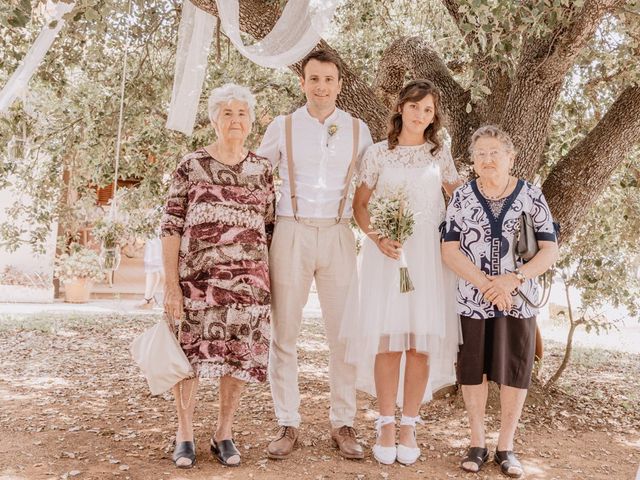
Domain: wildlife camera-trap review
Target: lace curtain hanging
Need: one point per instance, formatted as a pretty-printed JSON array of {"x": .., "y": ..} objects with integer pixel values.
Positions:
[
  {"x": 297, "y": 31},
  {"x": 20, "y": 78}
]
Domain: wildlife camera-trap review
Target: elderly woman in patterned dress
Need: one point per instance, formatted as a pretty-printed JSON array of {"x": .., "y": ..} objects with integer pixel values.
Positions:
[
  {"x": 498, "y": 326},
  {"x": 219, "y": 215}
]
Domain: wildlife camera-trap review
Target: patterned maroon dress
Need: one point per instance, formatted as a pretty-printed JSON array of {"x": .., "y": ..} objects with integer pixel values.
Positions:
[{"x": 223, "y": 214}]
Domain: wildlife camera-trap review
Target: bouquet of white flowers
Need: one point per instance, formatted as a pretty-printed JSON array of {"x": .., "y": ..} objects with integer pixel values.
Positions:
[{"x": 391, "y": 217}]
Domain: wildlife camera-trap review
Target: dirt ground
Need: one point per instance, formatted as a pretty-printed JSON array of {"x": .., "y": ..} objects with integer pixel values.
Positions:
[{"x": 74, "y": 406}]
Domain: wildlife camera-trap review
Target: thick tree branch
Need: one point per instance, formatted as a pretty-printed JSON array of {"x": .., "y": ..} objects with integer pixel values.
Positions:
[
  {"x": 453, "y": 7},
  {"x": 497, "y": 80},
  {"x": 584, "y": 172},
  {"x": 544, "y": 64},
  {"x": 555, "y": 54},
  {"x": 257, "y": 18},
  {"x": 413, "y": 55}
]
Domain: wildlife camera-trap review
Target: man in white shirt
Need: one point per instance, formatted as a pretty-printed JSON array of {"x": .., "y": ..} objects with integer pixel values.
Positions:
[{"x": 313, "y": 240}]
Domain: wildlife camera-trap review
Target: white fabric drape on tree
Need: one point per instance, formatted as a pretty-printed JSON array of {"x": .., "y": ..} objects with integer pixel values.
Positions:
[
  {"x": 20, "y": 78},
  {"x": 297, "y": 31},
  {"x": 194, "y": 40}
]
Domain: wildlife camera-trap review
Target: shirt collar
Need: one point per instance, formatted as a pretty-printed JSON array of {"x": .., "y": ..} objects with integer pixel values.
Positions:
[{"x": 331, "y": 119}]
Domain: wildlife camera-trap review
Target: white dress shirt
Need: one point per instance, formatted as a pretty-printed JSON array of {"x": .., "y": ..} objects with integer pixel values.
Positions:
[{"x": 320, "y": 161}]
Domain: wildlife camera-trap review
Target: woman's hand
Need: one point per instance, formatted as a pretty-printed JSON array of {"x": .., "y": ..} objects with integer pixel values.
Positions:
[
  {"x": 503, "y": 302},
  {"x": 388, "y": 247},
  {"x": 499, "y": 288},
  {"x": 173, "y": 303}
]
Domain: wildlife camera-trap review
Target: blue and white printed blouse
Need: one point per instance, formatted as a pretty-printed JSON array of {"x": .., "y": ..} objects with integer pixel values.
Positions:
[{"x": 488, "y": 242}]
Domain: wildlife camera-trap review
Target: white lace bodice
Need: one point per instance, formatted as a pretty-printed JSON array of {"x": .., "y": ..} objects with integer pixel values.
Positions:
[{"x": 414, "y": 169}]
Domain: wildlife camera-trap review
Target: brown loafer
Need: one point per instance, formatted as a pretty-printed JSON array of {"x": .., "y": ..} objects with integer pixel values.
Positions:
[
  {"x": 282, "y": 445},
  {"x": 344, "y": 438}
]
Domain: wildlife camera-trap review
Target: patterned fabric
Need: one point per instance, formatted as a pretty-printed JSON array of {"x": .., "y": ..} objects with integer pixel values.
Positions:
[
  {"x": 223, "y": 215},
  {"x": 487, "y": 241}
]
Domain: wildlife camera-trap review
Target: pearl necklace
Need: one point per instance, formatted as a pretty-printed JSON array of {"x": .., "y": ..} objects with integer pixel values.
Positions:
[{"x": 497, "y": 197}]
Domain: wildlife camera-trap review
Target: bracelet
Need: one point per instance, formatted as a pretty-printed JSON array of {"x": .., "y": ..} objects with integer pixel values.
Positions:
[{"x": 520, "y": 276}]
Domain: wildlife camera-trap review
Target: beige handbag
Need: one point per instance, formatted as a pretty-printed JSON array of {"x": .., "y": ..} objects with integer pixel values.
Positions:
[{"x": 158, "y": 354}]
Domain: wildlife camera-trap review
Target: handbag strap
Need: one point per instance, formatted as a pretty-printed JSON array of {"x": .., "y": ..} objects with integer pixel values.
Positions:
[
  {"x": 288, "y": 135},
  {"x": 546, "y": 291},
  {"x": 547, "y": 277}
]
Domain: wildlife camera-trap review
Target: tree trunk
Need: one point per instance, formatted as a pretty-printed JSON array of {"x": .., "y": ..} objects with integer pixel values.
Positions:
[
  {"x": 523, "y": 105},
  {"x": 257, "y": 18},
  {"x": 579, "y": 178},
  {"x": 565, "y": 360},
  {"x": 413, "y": 55}
]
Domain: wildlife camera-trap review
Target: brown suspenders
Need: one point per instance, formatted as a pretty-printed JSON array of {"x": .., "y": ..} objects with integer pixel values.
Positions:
[{"x": 288, "y": 134}]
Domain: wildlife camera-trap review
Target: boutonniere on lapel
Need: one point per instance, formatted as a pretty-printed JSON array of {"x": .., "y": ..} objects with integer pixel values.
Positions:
[{"x": 333, "y": 129}]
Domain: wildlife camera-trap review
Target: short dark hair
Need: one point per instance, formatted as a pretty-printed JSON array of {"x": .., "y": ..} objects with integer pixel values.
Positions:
[{"x": 323, "y": 56}]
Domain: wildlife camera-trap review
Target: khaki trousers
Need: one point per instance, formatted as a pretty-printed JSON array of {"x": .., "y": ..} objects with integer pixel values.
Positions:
[{"x": 301, "y": 251}]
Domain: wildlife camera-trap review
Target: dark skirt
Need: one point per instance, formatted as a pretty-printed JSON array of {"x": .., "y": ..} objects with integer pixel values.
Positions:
[{"x": 502, "y": 348}]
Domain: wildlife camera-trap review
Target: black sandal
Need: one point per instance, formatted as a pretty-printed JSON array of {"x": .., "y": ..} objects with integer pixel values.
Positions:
[
  {"x": 185, "y": 450},
  {"x": 223, "y": 451},
  {"x": 508, "y": 462},
  {"x": 477, "y": 455}
]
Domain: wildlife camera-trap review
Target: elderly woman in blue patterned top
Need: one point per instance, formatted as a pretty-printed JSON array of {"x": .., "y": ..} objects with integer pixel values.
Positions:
[{"x": 498, "y": 327}]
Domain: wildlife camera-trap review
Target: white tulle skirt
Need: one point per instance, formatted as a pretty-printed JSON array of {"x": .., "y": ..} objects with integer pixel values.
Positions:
[{"x": 379, "y": 318}]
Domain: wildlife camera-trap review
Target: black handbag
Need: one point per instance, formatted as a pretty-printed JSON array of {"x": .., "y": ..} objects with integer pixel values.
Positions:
[{"x": 525, "y": 247}]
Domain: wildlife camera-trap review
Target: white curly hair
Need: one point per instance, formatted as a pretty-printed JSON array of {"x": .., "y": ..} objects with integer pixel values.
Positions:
[{"x": 227, "y": 92}]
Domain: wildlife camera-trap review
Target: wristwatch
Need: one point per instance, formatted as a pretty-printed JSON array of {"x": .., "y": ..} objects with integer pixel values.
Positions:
[{"x": 520, "y": 276}]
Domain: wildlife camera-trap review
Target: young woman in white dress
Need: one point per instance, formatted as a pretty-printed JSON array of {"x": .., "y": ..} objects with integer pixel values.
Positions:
[{"x": 407, "y": 339}]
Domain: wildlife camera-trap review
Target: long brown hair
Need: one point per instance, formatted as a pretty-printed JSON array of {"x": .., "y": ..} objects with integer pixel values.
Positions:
[{"x": 414, "y": 91}]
